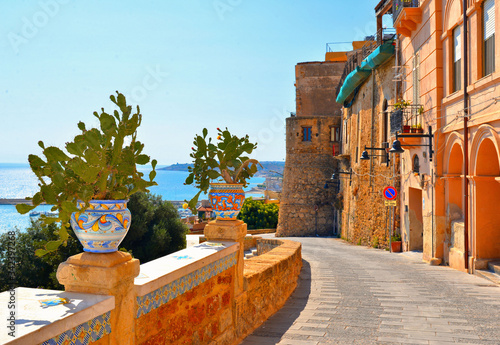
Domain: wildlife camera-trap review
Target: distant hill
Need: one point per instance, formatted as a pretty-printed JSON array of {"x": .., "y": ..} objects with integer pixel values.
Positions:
[
  {"x": 176, "y": 167},
  {"x": 271, "y": 168}
]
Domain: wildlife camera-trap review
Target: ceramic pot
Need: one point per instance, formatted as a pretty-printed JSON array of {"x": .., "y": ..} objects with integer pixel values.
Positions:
[
  {"x": 226, "y": 200},
  {"x": 102, "y": 227},
  {"x": 396, "y": 246},
  {"x": 406, "y": 129}
]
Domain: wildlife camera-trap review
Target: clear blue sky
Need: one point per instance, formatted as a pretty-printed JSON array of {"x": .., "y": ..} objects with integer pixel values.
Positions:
[{"x": 188, "y": 64}]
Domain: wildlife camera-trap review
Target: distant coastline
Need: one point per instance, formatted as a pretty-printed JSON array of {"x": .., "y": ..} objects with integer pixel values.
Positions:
[
  {"x": 14, "y": 201},
  {"x": 270, "y": 168}
]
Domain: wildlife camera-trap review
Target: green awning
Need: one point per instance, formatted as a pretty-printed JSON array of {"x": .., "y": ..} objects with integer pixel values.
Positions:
[
  {"x": 379, "y": 56},
  {"x": 361, "y": 73},
  {"x": 352, "y": 81}
]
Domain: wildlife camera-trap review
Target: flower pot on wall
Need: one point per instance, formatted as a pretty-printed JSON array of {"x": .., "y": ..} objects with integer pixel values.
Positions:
[
  {"x": 103, "y": 226},
  {"x": 226, "y": 199},
  {"x": 396, "y": 246}
]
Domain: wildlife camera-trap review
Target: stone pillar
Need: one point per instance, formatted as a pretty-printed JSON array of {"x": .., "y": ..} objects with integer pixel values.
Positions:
[
  {"x": 106, "y": 274},
  {"x": 230, "y": 231}
]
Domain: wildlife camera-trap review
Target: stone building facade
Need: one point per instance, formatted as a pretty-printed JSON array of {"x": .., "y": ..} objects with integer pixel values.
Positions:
[
  {"x": 312, "y": 139},
  {"x": 365, "y": 218}
]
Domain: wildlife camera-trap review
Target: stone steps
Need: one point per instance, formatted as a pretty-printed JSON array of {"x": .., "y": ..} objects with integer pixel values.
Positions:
[
  {"x": 250, "y": 253},
  {"x": 493, "y": 274},
  {"x": 494, "y": 266}
]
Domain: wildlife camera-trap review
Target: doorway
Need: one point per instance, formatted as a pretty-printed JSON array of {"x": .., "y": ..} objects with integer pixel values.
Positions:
[{"x": 416, "y": 236}]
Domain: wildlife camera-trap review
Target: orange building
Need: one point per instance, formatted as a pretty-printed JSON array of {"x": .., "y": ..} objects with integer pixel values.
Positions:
[{"x": 452, "y": 200}]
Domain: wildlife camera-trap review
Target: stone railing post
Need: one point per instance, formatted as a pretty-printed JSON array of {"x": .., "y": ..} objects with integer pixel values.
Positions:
[
  {"x": 230, "y": 231},
  {"x": 106, "y": 274}
]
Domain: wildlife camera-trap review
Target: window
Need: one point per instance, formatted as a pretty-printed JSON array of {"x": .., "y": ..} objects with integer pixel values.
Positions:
[
  {"x": 306, "y": 133},
  {"x": 416, "y": 165},
  {"x": 416, "y": 117},
  {"x": 385, "y": 128},
  {"x": 457, "y": 58},
  {"x": 335, "y": 134},
  {"x": 488, "y": 37},
  {"x": 385, "y": 123}
]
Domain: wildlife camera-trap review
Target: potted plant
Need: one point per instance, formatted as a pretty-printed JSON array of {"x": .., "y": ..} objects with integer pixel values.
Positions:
[
  {"x": 400, "y": 107},
  {"x": 224, "y": 160},
  {"x": 413, "y": 128},
  {"x": 90, "y": 183},
  {"x": 419, "y": 129},
  {"x": 396, "y": 243}
]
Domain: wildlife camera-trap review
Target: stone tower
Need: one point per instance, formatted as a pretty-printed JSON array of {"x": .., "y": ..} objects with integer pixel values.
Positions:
[{"x": 312, "y": 139}]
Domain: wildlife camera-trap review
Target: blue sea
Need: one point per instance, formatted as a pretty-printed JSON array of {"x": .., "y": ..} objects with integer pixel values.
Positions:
[{"x": 17, "y": 181}]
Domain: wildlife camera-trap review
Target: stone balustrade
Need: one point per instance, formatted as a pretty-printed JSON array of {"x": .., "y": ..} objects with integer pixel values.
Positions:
[{"x": 205, "y": 294}]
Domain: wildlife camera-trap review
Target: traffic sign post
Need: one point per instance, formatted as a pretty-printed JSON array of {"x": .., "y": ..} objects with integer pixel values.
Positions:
[{"x": 390, "y": 194}]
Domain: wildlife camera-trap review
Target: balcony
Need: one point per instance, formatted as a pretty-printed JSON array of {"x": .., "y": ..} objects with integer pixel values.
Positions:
[
  {"x": 406, "y": 15},
  {"x": 407, "y": 119}
]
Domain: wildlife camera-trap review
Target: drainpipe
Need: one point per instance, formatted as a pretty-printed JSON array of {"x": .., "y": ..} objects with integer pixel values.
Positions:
[
  {"x": 466, "y": 141},
  {"x": 372, "y": 125}
]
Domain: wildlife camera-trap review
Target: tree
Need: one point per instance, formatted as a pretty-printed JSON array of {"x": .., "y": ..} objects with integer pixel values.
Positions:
[
  {"x": 17, "y": 257},
  {"x": 155, "y": 230}
]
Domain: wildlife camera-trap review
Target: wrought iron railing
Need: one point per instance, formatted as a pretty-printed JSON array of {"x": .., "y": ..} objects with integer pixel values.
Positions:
[
  {"x": 407, "y": 119},
  {"x": 398, "y": 5}
]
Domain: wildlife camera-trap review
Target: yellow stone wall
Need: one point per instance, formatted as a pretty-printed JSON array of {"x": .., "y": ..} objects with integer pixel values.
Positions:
[{"x": 211, "y": 313}]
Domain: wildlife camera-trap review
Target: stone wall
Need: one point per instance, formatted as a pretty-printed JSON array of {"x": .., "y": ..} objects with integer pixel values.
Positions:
[
  {"x": 306, "y": 207},
  {"x": 269, "y": 280},
  {"x": 315, "y": 84},
  {"x": 365, "y": 218},
  {"x": 192, "y": 310},
  {"x": 193, "y": 296},
  {"x": 197, "y": 316}
]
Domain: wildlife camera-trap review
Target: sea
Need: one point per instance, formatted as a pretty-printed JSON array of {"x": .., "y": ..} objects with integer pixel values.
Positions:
[{"x": 17, "y": 181}]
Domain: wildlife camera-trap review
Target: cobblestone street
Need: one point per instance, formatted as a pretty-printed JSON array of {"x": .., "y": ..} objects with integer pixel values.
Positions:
[{"x": 351, "y": 294}]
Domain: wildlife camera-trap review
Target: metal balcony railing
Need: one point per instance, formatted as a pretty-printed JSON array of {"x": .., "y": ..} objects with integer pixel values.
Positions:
[
  {"x": 398, "y": 5},
  {"x": 407, "y": 118}
]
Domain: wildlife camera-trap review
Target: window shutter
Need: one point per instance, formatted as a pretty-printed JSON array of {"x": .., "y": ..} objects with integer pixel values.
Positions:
[
  {"x": 489, "y": 18},
  {"x": 457, "y": 44}
]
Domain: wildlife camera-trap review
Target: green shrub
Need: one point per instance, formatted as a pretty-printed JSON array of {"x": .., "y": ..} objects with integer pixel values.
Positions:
[
  {"x": 259, "y": 215},
  {"x": 155, "y": 230}
]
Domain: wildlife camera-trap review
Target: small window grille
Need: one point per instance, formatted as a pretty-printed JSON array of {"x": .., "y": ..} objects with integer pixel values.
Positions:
[{"x": 306, "y": 133}]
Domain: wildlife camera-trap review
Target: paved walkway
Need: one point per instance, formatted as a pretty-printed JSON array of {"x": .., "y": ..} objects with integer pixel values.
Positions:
[{"x": 356, "y": 295}]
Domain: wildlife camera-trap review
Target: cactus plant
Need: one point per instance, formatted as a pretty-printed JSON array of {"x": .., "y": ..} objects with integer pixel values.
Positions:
[
  {"x": 224, "y": 160},
  {"x": 97, "y": 165}
]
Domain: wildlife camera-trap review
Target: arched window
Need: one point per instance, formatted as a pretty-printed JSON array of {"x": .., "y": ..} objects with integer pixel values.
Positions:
[{"x": 416, "y": 165}]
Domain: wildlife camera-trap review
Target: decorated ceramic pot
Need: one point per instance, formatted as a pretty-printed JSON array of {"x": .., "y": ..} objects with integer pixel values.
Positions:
[
  {"x": 226, "y": 200},
  {"x": 103, "y": 226}
]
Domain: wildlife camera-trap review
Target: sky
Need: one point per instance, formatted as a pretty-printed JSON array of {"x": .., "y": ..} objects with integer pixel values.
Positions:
[{"x": 188, "y": 64}]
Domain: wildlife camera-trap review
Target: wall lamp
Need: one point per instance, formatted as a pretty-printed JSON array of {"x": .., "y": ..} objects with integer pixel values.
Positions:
[
  {"x": 397, "y": 147},
  {"x": 365, "y": 156},
  {"x": 336, "y": 177}
]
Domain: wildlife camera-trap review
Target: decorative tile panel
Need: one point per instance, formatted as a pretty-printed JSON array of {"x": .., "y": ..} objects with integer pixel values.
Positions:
[
  {"x": 84, "y": 334},
  {"x": 172, "y": 290}
]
